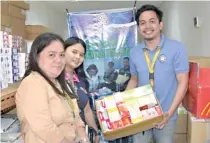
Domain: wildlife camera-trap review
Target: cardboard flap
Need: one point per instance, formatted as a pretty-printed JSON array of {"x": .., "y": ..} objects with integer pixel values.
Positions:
[
  {"x": 202, "y": 62},
  {"x": 200, "y": 72}
]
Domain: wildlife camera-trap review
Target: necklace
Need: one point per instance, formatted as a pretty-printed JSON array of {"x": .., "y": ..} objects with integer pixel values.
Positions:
[{"x": 69, "y": 100}]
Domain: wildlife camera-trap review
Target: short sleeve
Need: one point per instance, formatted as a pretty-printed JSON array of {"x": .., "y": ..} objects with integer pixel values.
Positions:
[
  {"x": 133, "y": 70},
  {"x": 181, "y": 63}
]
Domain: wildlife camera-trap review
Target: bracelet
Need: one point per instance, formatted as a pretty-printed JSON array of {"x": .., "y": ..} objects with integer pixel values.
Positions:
[{"x": 84, "y": 141}]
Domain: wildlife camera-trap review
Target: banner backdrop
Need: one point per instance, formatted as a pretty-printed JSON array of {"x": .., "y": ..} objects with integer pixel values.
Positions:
[{"x": 109, "y": 35}]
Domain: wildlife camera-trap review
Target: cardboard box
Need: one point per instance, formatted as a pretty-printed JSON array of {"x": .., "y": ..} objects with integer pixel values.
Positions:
[
  {"x": 18, "y": 27},
  {"x": 6, "y": 29},
  {"x": 19, "y": 3},
  {"x": 12, "y": 11},
  {"x": 8, "y": 96},
  {"x": 36, "y": 29},
  {"x": 5, "y": 20},
  {"x": 31, "y": 37},
  {"x": 197, "y": 57},
  {"x": 135, "y": 127},
  {"x": 197, "y": 99},
  {"x": 180, "y": 138},
  {"x": 198, "y": 130},
  {"x": 17, "y": 12},
  {"x": 13, "y": 25},
  {"x": 181, "y": 124},
  {"x": 4, "y": 8}
]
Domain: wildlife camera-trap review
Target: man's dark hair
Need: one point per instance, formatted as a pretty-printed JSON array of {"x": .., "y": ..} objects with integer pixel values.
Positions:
[
  {"x": 148, "y": 7},
  {"x": 39, "y": 44},
  {"x": 126, "y": 58},
  {"x": 92, "y": 66},
  {"x": 112, "y": 63}
]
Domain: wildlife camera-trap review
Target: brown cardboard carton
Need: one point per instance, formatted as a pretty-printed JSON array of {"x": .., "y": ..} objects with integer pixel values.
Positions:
[
  {"x": 7, "y": 29},
  {"x": 18, "y": 27},
  {"x": 180, "y": 138},
  {"x": 19, "y": 3},
  {"x": 5, "y": 20},
  {"x": 36, "y": 29},
  {"x": 135, "y": 127},
  {"x": 198, "y": 130},
  {"x": 8, "y": 96},
  {"x": 4, "y": 8},
  {"x": 17, "y": 12},
  {"x": 132, "y": 129},
  {"x": 181, "y": 124},
  {"x": 197, "y": 57},
  {"x": 31, "y": 37}
]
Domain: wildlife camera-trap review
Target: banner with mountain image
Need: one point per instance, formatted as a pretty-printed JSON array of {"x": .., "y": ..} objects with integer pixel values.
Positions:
[{"x": 88, "y": 25}]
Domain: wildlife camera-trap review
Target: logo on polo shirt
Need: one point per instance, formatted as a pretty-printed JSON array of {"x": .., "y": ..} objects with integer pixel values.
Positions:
[{"x": 162, "y": 58}]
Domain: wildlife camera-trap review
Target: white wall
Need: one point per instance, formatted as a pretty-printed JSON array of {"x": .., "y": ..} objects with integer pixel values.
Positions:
[
  {"x": 178, "y": 24},
  {"x": 41, "y": 14}
]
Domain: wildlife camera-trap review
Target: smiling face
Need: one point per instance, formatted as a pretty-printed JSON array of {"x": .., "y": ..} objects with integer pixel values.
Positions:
[
  {"x": 149, "y": 25},
  {"x": 51, "y": 59},
  {"x": 74, "y": 55}
]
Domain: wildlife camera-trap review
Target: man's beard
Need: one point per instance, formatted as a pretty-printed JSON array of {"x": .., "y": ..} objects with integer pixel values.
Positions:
[{"x": 149, "y": 38}]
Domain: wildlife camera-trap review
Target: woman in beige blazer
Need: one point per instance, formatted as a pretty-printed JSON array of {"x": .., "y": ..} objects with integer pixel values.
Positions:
[{"x": 48, "y": 112}]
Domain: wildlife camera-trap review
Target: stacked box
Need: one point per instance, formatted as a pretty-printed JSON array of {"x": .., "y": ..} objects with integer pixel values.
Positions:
[{"x": 13, "y": 16}]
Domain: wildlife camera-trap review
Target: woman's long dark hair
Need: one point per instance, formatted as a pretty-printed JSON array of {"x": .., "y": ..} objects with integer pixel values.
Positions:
[
  {"x": 79, "y": 70},
  {"x": 41, "y": 42}
]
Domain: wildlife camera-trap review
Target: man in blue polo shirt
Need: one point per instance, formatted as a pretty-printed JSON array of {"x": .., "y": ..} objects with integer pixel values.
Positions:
[{"x": 163, "y": 63}]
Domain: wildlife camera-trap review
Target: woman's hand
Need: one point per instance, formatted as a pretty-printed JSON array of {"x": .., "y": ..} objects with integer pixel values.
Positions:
[{"x": 67, "y": 141}]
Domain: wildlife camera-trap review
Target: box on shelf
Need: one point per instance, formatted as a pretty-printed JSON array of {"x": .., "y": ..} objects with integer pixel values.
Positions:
[
  {"x": 197, "y": 99},
  {"x": 6, "y": 29},
  {"x": 8, "y": 96},
  {"x": 19, "y": 3},
  {"x": 18, "y": 27},
  {"x": 32, "y": 37},
  {"x": 117, "y": 114},
  {"x": 4, "y": 8},
  {"x": 35, "y": 30},
  {"x": 181, "y": 123},
  {"x": 5, "y": 20},
  {"x": 13, "y": 17},
  {"x": 17, "y": 12},
  {"x": 198, "y": 130},
  {"x": 180, "y": 138}
]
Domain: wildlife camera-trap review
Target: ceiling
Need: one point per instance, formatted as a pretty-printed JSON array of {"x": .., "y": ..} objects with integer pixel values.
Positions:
[{"x": 85, "y": 5}]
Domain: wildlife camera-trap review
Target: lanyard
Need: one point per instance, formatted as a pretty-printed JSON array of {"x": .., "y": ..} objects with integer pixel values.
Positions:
[
  {"x": 69, "y": 100},
  {"x": 151, "y": 65},
  {"x": 71, "y": 104}
]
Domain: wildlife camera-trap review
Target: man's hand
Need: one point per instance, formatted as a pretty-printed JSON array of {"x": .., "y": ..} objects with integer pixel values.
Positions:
[
  {"x": 161, "y": 124},
  {"x": 97, "y": 139}
]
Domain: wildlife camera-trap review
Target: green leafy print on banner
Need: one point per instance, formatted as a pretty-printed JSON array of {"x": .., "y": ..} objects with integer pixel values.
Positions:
[
  {"x": 111, "y": 44},
  {"x": 108, "y": 53}
]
